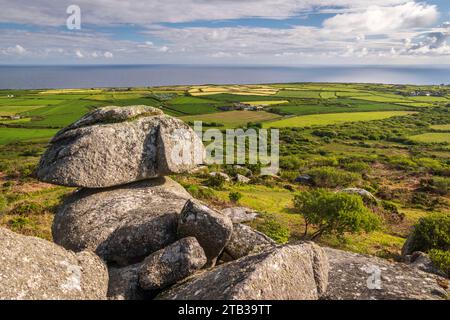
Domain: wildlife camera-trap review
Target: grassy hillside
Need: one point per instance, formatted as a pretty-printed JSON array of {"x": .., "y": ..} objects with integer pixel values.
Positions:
[{"x": 382, "y": 138}]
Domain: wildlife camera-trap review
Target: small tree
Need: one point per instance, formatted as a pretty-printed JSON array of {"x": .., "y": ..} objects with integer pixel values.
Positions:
[
  {"x": 235, "y": 196},
  {"x": 334, "y": 213}
]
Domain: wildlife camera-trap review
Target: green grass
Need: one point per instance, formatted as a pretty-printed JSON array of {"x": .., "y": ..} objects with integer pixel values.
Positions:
[
  {"x": 8, "y": 135},
  {"x": 432, "y": 137},
  {"x": 61, "y": 115},
  {"x": 333, "y": 118},
  {"x": 233, "y": 119}
]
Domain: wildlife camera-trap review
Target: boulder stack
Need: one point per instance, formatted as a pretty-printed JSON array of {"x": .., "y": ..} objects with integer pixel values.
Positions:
[{"x": 134, "y": 233}]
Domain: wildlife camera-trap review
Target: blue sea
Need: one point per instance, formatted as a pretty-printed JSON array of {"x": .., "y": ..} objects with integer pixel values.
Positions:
[{"x": 43, "y": 77}]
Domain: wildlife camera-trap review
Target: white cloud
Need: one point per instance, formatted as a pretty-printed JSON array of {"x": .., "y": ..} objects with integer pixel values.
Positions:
[
  {"x": 106, "y": 12},
  {"x": 377, "y": 19},
  {"x": 363, "y": 31},
  {"x": 79, "y": 54},
  {"x": 16, "y": 50}
]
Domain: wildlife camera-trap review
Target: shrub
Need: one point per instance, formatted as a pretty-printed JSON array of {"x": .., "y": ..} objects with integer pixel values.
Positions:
[
  {"x": 329, "y": 177},
  {"x": 274, "y": 229},
  {"x": 334, "y": 213},
  {"x": 3, "y": 203},
  {"x": 217, "y": 181},
  {"x": 438, "y": 185},
  {"x": 358, "y": 167},
  {"x": 402, "y": 163},
  {"x": 432, "y": 232},
  {"x": 235, "y": 196},
  {"x": 291, "y": 163},
  {"x": 441, "y": 259}
]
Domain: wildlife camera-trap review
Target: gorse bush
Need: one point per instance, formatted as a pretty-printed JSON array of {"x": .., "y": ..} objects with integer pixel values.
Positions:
[
  {"x": 235, "y": 196},
  {"x": 438, "y": 185},
  {"x": 441, "y": 259},
  {"x": 334, "y": 213},
  {"x": 358, "y": 167},
  {"x": 329, "y": 177},
  {"x": 432, "y": 232},
  {"x": 217, "y": 181}
]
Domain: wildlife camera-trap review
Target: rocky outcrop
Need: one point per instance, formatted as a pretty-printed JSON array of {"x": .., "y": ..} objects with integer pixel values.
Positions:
[
  {"x": 117, "y": 145},
  {"x": 358, "y": 277},
  {"x": 121, "y": 224},
  {"x": 286, "y": 272},
  {"x": 240, "y": 214},
  {"x": 211, "y": 228},
  {"x": 35, "y": 269},
  {"x": 421, "y": 261},
  {"x": 171, "y": 264},
  {"x": 245, "y": 241}
]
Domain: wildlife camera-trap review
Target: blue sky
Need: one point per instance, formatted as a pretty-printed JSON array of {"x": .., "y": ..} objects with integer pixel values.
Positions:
[{"x": 266, "y": 32}]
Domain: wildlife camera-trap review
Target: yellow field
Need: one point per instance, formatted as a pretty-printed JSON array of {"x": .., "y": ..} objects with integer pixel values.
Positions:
[
  {"x": 334, "y": 118},
  {"x": 443, "y": 127},
  {"x": 432, "y": 137},
  {"x": 241, "y": 90},
  {"x": 62, "y": 91}
]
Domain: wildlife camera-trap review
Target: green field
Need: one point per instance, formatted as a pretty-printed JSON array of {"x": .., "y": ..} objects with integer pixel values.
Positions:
[
  {"x": 9, "y": 135},
  {"x": 333, "y": 118},
  {"x": 233, "y": 119},
  {"x": 432, "y": 137}
]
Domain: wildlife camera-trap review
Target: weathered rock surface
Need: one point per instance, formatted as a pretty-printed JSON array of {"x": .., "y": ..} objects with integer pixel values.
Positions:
[
  {"x": 245, "y": 241},
  {"x": 240, "y": 214},
  {"x": 171, "y": 264},
  {"x": 221, "y": 174},
  {"x": 122, "y": 224},
  {"x": 211, "y": 228},
  {"x": 357, "y": 277},
  {"x": 279, "y": 273},
  {"x": 242, "y": 179},
  {"x": 421, "y": 261},
  {"x": 117, "y": 145},
  {"x": 409, "y": 245},
  {"x": 124, "y": 283},
  {"x": 35, "y": 269}
]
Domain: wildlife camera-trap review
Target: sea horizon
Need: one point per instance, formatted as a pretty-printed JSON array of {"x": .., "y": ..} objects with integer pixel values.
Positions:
[{"x": 34, "y": 76}]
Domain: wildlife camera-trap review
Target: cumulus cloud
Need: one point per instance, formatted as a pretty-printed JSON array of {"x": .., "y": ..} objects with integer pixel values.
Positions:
[
  {"x": 16, "y": 50},
  {"x": 378, "y": 19}
]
